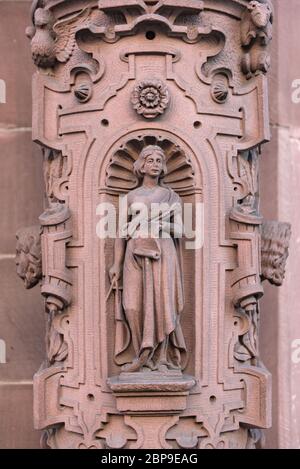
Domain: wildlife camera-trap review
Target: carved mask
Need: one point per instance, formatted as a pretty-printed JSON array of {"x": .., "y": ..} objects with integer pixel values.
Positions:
[
  {"x": 28, "y": 259},
  {"x": 260, "y": 14}
]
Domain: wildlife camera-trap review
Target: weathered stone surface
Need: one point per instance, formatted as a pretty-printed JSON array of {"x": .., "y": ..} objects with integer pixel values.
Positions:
[
  {"x": 16, "y": 420},
  {"x": 16, "y": 67},
  {"x": 21, "y": 326}
]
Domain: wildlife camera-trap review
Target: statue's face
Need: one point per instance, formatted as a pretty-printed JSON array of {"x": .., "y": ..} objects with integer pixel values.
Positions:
[
  {"x": 153, "y": 165},
  {"x": 260, "y": 13}
]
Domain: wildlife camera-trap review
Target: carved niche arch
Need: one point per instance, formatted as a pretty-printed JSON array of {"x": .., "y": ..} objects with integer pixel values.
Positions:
[{"x": 116, "y": 178}]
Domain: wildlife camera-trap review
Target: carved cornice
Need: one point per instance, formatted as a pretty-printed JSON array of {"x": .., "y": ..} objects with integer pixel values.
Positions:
[{"x": 56, "y": 24}]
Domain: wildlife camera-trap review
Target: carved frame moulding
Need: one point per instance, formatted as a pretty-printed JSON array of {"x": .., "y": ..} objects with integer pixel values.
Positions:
[{"x": 122, "y": 85}]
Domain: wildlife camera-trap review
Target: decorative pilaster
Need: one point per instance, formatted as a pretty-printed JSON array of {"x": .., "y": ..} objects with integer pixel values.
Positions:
[{"x": 181, "y": 83}]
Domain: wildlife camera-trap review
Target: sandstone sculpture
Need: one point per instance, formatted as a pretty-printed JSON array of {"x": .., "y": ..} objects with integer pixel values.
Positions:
[{"x": 153, "y": 342}]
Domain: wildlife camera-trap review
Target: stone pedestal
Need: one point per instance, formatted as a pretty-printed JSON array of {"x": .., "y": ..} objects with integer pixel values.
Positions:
[{"x": 151, "y": 393}]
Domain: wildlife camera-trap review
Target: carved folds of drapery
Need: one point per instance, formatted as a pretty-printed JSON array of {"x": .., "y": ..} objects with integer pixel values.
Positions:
[{"x": 189, "y": 77}]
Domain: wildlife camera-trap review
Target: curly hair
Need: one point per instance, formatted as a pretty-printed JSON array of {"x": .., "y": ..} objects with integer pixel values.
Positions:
[{"x": 147, "y": 151}]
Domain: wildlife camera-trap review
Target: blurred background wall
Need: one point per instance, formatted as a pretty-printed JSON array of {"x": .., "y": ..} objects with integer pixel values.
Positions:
[
  {"x": 280, "y": 200},
  {"x": 21, "y": 189}
]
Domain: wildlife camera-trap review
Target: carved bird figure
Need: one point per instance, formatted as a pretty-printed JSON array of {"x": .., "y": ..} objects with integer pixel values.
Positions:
[{"x": 50, "y": 41}]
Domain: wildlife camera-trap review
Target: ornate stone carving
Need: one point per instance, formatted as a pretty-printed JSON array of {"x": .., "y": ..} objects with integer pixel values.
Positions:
[
  {"x": 256, "y": 34},
  {"x": 208, "y": 137},
  {"x": 275, "y": 250},
  {"x": 219, "y": 89},
  {"x": 56, "y": 175},
  {"x": 57, "y": 281},
  {"x": 150, "y": 98},
  {"x": 29, "y": 256},
  {"x": 83, "y": 92},
  {"x": 248, "y": 174},
  {"x": 53, "y": 41}
]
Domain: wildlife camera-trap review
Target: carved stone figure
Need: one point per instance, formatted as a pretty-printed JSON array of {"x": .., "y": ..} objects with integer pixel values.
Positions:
[
  {"x": 153, "y": 297},
  {"x": 29, "y": 256},
  {"x": 53, "y": 41},
  {"x": 256, "y": 34},
  {"x": 257, "y": 23},
  {"x": 57, "y": 280},
  {"x": 275, "y": 250},
  {"x": 133, "y": 87}
]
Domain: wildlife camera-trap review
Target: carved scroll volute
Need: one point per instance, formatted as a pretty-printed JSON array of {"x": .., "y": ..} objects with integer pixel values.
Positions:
[{"x": 57, "y": 280}]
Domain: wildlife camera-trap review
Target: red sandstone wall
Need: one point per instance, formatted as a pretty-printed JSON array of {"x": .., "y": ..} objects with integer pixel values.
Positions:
[{"x": 21, "y": 186}]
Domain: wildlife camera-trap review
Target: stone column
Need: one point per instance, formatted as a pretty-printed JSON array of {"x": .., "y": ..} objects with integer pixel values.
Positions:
[{"x": 152, "y": 342}]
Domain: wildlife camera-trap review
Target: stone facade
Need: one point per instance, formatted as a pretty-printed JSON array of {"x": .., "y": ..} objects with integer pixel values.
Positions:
[{"x": 23, "y": 184}]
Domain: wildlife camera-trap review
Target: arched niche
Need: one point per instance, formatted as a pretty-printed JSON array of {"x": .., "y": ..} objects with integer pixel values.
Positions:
[{"x": 116, "y": 178}]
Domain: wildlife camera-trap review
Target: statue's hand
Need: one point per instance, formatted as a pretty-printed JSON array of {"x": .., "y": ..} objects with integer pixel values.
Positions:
[{"x": 115, "y": 272}]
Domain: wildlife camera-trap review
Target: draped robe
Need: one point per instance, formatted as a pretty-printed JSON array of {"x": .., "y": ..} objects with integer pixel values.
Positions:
[{"x": 148, "y": 315}]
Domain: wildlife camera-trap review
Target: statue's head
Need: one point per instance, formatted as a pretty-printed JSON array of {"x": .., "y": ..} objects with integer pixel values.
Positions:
[
  {"x": 261, "y": 13},
  {"x": 151, "y": 161},
  {"x": 28, "y": 255}
]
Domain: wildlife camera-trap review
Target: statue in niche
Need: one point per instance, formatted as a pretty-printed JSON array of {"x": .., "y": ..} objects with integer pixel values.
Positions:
[{"x": 148, "y": 262}]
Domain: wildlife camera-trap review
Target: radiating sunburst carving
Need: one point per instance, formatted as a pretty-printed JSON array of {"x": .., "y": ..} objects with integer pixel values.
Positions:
[{"x": 120, "y": 176}]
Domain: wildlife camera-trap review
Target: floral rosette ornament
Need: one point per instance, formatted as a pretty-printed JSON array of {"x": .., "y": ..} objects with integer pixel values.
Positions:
[{"x": 150, "y": 98}]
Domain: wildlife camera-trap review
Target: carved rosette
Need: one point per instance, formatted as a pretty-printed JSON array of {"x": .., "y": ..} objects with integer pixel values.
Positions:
[
  {"x": 107, "y": 70},
  {"x": 150, "y": 98}
]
